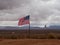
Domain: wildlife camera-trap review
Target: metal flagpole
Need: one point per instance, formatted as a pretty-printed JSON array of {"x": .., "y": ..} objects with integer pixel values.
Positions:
[{"x": 29, "y": 26}]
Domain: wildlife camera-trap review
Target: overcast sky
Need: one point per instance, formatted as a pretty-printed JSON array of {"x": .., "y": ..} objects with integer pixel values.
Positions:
[{"x": 41, "y": 11}]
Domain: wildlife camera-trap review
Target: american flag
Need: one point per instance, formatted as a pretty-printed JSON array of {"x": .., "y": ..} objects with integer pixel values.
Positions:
[{"x": 24, "y": 20}]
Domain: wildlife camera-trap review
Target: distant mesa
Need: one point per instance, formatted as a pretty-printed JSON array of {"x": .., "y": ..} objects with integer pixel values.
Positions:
[{"x": 27, "y": 27}]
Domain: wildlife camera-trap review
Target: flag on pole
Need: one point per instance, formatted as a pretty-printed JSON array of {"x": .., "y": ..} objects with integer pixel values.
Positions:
[{"x": 24, "y": 20}]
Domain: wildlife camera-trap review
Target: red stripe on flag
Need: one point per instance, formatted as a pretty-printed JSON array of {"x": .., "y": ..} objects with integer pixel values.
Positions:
[{"x": 23, "y": 21}]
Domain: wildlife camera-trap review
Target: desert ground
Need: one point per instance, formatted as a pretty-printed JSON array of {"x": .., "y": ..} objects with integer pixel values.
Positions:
[
  {"x": 37, "y": 37},
  {"x": 29, "y": 42}
]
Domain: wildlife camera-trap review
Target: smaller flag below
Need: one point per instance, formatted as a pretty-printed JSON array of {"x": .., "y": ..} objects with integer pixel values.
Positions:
[{"x": 24, "y": 20}]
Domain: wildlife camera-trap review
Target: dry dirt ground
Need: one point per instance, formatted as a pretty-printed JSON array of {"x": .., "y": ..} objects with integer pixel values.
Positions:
[{"x": 29, "y": 42}]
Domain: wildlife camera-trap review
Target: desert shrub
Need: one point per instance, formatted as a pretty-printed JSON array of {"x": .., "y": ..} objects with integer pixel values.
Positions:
[
  {"x": 33, "y": 36},
  {"x": 43, "y": 36},
  {"x": 13, "y": 37},
  {"x": 1, "y": 36},
  {"x": 58, "y": 37},
  {"x": 37, "y": 36},
  {"x": 51, "y": 36}
]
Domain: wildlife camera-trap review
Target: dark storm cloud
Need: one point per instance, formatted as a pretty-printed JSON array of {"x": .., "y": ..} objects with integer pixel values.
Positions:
[
  {"x": 5, "y": 4},
  {"x": 8, "y": 4},
  {"x": 12, "y": 9}
]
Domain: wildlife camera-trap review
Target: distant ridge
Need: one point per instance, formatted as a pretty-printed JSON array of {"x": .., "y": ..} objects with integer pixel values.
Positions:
[
  {"x": 17, "y": 27},
  {"x": 54, "y": 27},
  {"x": 27, "y": 27}
]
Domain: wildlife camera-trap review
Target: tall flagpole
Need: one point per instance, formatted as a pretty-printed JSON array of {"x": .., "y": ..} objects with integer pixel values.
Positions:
[{"x": 29, "y": 26}]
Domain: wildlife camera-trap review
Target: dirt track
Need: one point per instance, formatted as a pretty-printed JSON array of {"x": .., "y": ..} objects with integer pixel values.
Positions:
[{"x": 30, "y": 42}]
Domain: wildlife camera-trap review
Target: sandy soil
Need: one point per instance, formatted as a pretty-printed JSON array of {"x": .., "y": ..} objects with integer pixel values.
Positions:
[{"x": 29, "y": 42}]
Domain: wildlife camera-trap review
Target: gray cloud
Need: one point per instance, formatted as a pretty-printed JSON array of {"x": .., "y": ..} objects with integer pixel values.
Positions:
[
  {"x": 8, "y": 4},
  {"x": 40, "y": 10}
]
